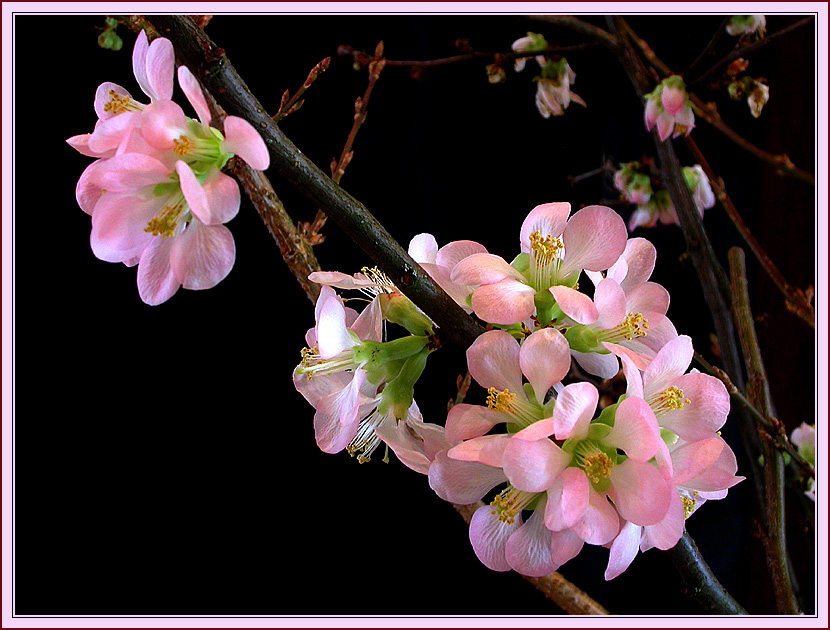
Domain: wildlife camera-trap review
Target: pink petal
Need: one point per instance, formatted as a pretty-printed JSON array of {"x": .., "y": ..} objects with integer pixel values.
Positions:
[
  {"x": 533, "y": 466},
  {"x": 87, "y": 192},
  {"x": 639, "y": 258},
  {"x": 462, "y": 482},
  {"x": 594, "y": 239},
  {"x": 528, "y": 550},
  {"x": 623, "y": 550},
  {"x": 575, "y": 304},
  {"x": 691, "y": 459},
  {"x": 548, "y": 219},
  {"x": 193, "y": 193},
  {"x": 340, "y": 280},
  {"x": 633, "y": 378},
  {"x": 140, "y": 60},
  {"x": 605, "y": 366},
  {"x": 576, "y": 495},
  {"x": 651, "y": 113},
  {"x": 203, "y": 255},
  {"x": 128, "y": 172},
  {"x": 670, "y": 363},
  {"x": 81, "y": 144},
  {"x": 718, "y": 476},
  {"x": 332, "y": 335},
  {"x": 156, "y": 281},
  {"x": 483, "y": 268},
  {"x": 665, "y": 125},
  {"x": 453, "y": 253},
  {"x": 666, "y": 534},
  {"x": 337, "y": 418},
  {"x": 469, "y": 421},
  {"x": 504, "y": 303},
  {"x": 545, "y": 359},
  {"x": 368, "y": 326},
  {"x": 489, "y": 535},
  {"x": 536, "y": 431},
  {"x": 574, "y": 409},
  {"x": 493, "y": 361},
  {"x": 610, "y": 302},
  {"x": 118, "y": 224},
  {"x": 650, "y": 300},
  {"x": 160, "y": 61},
  {"x": 103, "y": 96},
  {"x": 458, "y": 292},
  {"x": 600, "y": 523},
  {"x": 423, "y": 248},
  {"x": 564, "y": 546},
  {"x": 243, "y": 140},
  {"x": 163, "y": 122},
  {"x": 673, "y": 100},
  {"x": 641, "y": 493},
  {"x": 635, "y": 430},
  {"x": 488, "y": 449},
  {"x": 193, "y": 91},
  {"x": 223, "y": 196},
  {"x": 109, "y": 134},
  {"x": 707, "y": 411}
]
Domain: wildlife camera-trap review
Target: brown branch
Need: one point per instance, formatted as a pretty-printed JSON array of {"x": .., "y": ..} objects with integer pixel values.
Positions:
[
  {"x": 709, "y": 50},
  {"x": 291, "y": 104},
  {"x": 759, "y": 395},
  {"x": 749, "y": 48},
  {"x": 709, "y": 113},
  {"x": 554, "y": 586},
  {"x": 595, "y": 33},
  {"x": 796, "y": 299}
]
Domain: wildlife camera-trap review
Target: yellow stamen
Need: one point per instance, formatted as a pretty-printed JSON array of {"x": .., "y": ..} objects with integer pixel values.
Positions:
[
  {"x": 182, "y": 145},
  {"x": 597, "y": 466},
  {"x": 634, "y": 325},
  {"x": 545, "y": 257},
  {"x": 120, "y": 103},
  {"x": 688, "y": 506},
  {"x": 669, "y": 400},
  {"x": 164, "y": 223},
  {"x": 510, "y": 502},
  {"x": 499, "y": 401}
]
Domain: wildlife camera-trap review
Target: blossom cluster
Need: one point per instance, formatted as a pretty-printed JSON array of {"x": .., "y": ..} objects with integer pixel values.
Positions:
[
  {"x": 557, "y": 469},
  {"x": 156, "y": 192},
  {"x": 653, "y": 206},
  {"x": 669, "y": 108}
]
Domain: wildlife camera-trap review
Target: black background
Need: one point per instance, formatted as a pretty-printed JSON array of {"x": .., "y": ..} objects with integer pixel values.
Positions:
[{"x": 164, "y": 463}]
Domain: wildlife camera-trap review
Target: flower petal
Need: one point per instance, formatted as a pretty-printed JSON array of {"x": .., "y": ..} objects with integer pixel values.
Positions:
[
  {"x": 623, "y": 550},
  {"x": 223, "y": 196},
  {"x": 600, "y": 523},
  {"x": 548, "y": 219},
  {"x": 156, "y": 281},
  {"x": 483, "y": 268},
  {"x": 453, "y": 253},
  {"x": 575, "y": 304},
  {"x": 641, "y": 493},
  {"x": 465, "y": 421},
  {"x": 528, "y": 550},
  {"x": 462, "y": 482},
  {"x": 193, "y": 91},
  {"x": 103, "y": 95},
  {"x": 576, "y": 495},
  {"x": 203, "y": 255},
  {"x": 504, "y": 303},
  {"x": 489, "y": 536},
  {"x": 533, "y": 465},
  {"x": 160, "y": 62},
  {"x": 610, "y": 301},
  {"x": 545, "y": 359},
  {"x": 488, "y": 449},
  {"x": 635, "y": 430},
  {"x": 706, "y": 412},
  {"x": 565, "y": 545},
  {"x": 670, "y": 363},
  {"x": 423, "y": 248},
  {"x": 243, "y": 140},
  {"x": 194, "y": 194},
  {"x": 574, "y": 409},
  {"x": 493, "y": 361},
  {"x": 594, "y": 239},
  {"x": 666, "y": 534}
]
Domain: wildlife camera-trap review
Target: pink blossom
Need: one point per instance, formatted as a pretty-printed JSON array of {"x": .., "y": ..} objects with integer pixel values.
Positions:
[
  {"x": 669, "y": 108},
  {"x": 555, "y": 250},
  {"x": 439, "y": 263}
]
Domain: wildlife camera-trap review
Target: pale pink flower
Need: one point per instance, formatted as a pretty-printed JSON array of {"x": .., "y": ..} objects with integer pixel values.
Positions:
[
  {"x": 440, "y": 262},
  {"x": 553, "y": 89},
  {"x": 555, "y": 250},
  {"x": 532, "y": 42},
  {"x": 669, "y": 108}
]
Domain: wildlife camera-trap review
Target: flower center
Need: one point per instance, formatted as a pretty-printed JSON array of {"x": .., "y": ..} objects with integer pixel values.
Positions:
[
  {"x": 382, "y": 282},
  {"x": 596, "y": 464},
  {"x": 366, "y": 441},
  {"x": 182, "y": 145},
  {"x": 634, "y": 325},
  {"x": 520, "y": 411},
  {"x": 313, "y": 364},
  {"x": 545, "y": 259},
  {"x": 165, "y": 222},
  {"x": 120, "y": 103},
  {"x": 669, "y": 400},
  {"x": 688, "y": 506},
  {"x": 510, "y": 502}
]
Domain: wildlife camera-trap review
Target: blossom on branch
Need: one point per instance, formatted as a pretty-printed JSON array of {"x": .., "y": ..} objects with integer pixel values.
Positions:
[{"x": 670, "y": 109}]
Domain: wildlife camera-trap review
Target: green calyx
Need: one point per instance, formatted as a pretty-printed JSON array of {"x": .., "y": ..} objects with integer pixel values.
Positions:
[
  {"x": 583, "y": 338},
  {"x": 398, "y": 394},
  {"x": 399, "y": 309}
]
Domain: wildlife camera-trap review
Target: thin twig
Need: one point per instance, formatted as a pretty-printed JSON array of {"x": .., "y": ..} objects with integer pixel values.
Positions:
[
  {"x": 573, "y": 23},
  {"x": 746, "y": 50},
  {"x": 759, "y": 395},
  {"x": 774, "y": 428},
  {"x": 209, "y": 62},
  {"x": 554, "y": 586},
  {"x": 338, "y": 167},
  {"x": 291, "y": 104},
  {"x": 709, "y": 113},
  {"x": 709, "y": 50},
  {"x": 796, "y": 300}
]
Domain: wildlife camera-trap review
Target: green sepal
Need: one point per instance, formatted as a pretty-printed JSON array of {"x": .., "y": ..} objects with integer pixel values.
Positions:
[
  {"x": 521, "y": 263},
  {"x": 598, "y": 431},
  {"x": 607, "y": 415},
  {"x": 398, "y": 394},
  {"x": 373, "y": 354},
  {"x": 668, "y": 437},
  {"x": 399, "y": 309},
  {"x": 545, "y": 303},
  {"x": 584, "y": 339}
]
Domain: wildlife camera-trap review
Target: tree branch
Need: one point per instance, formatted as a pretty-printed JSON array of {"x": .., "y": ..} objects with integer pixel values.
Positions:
[
  {"x": 209, "y": 62},
  {"x": 760, "y": 396}
]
